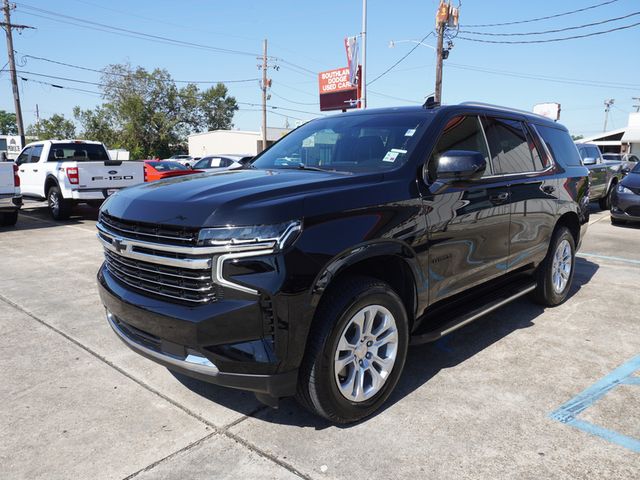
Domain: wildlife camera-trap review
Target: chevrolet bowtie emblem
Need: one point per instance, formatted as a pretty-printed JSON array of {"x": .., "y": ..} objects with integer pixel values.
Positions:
[{"x": 119, "y": 244}]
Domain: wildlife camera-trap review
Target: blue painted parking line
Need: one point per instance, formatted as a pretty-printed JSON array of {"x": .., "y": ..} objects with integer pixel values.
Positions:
[
  {"x": 568, "y": 412},
  {"x": 607, "y": 257}
]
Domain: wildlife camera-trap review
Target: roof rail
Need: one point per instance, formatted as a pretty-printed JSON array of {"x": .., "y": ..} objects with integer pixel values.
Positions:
[{"x": 500, "y": 107}]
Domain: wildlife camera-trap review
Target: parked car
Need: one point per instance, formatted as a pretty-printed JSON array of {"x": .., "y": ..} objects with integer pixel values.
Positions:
[
  {"x": 604, "y": 175},
  {"x": 186, "y": 160},
  {"x": 157, "y": 170},
  {"x": 10, "y": 197},
  {"x": 219, "y": 161},
  {"x": 396, "y": 226},
  {"x": 627, "y": 160},
  {"x": 67, "y": 172},
  {"x": 625, "y": 200}
]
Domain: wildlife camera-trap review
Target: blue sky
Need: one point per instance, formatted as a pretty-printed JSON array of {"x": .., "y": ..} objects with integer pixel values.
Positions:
[{"x": 310, "y": 35}]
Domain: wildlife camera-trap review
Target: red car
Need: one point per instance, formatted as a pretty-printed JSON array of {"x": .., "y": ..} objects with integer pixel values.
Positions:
[{"x": 158, "y": 169}]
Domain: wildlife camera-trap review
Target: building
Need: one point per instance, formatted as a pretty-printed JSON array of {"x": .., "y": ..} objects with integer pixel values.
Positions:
[
  {"x": 621, "y": 140},
  {"x": 237, "y": 142},
  {"x": 10, "y": 146}
]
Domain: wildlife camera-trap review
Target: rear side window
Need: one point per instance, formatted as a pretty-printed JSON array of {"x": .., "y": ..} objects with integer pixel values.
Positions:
[
  {"x": 559, "y": 143},
  {"x": 78, "y": 152},
  {"x": 509, "y": 147},
  {"x": 35, "y": 154},
  {"x": 460, "y": 133}
]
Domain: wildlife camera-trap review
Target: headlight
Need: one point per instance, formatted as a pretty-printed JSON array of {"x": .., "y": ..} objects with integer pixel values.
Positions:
[
  {"x": 623, "y": 189},
  {"x": 279, "y": 236}
]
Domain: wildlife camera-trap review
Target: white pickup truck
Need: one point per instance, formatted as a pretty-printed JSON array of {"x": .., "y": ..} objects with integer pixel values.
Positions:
[
  {"x": 10, "y": 198},
  {"x": 66, "y": 172}
]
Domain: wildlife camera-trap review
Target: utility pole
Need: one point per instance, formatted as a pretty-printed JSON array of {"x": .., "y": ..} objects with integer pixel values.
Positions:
[
  {"x": 264, "y": 94},
  {"x": 607, "y": 107},
  {"x": 439, "y": 55},
  {"x": 363, "y": 80},
  {"x": 37, "y": 121},
  {"x": 7, "y": 25},
  {"x": 446, "y": 16}
]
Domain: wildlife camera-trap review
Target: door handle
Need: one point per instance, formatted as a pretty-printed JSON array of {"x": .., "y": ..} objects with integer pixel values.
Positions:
[
  {"x": 499, "y": 198},
  {"x": 549, "y": 189},
  {"x": 22, "y": 170},
  {"x": 35, "y": 169}
]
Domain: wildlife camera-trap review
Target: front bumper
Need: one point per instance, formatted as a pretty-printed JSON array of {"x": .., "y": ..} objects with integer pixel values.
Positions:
[
  {"x": 199, "y": 342},
  {"x": 10, "y": 203},
  {"x": 625, "y": 206}
]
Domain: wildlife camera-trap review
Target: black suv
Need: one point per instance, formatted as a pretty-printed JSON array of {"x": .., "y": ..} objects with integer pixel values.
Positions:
[{"x": 310, "y": 271}]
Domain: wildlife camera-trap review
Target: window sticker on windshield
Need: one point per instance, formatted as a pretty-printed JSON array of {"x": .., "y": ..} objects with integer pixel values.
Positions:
[
  {"x": 393, "y": 154},
  {"x": 410, "y": 132}
]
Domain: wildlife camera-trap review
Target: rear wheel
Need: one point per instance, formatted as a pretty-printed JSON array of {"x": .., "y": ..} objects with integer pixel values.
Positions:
[
  {"x": 355, "y": 352},
  {"x": 59, "y": 207},
  {"x": 555, "y": 273},
  {"x": 8, "y": 219}
]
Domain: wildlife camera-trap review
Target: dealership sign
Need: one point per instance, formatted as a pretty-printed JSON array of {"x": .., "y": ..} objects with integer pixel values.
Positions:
[
  {"x": 336, "y": 91},
  {"x": 549, "y": 110}
]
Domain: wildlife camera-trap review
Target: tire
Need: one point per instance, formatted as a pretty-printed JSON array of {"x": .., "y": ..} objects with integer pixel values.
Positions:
[
  {"x": 605, "y": 202},
  {"x": 318, "y": 382},
  {"x": 59, "y": 208},
  {"x": 615, "y": 221},
  {"x": 547, "y": 290},
  {"x": 8, "y": 219}
]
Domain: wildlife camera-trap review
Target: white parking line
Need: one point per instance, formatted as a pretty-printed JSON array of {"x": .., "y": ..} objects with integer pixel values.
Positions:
[{"x": 607, "y": 257}]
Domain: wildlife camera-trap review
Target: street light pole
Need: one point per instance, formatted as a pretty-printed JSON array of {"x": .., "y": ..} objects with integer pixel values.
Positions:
[{"x": 439, "y": 54}]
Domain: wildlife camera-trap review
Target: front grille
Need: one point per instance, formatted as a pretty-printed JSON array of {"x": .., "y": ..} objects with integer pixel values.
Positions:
[
  {"x": 149, "y": 232},
  {"x": 178, "y": 283},
  {"x": 155, "y": 268}
]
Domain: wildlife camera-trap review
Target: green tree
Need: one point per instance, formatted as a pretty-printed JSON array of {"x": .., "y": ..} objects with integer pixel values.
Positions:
[
  {"x": 8, "y": 125},
  {"x": 146, "y": 113},
  {"x": 55, "y": 127}
]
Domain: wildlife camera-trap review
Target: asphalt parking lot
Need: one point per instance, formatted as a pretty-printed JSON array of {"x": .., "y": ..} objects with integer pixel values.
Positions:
[{"x": 525, "y": 392}]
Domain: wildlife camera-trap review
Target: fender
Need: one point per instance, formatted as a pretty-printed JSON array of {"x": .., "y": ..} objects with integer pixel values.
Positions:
[
  {"x": 361, "y": 252},
  {"x": 51, "y": 178}
]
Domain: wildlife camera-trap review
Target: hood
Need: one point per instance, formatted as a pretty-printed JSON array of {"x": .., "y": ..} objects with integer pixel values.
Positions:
[
  {"x": 632, "y": 180},
  {"x": 231, "y": 197}
]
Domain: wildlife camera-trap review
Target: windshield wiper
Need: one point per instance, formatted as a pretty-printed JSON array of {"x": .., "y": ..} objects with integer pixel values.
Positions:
[{"x": 302, "y": 166}]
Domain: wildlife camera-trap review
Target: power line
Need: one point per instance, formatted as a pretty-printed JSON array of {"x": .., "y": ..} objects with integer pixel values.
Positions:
[
  {"x": 551, "y": 31},
  {"x": 25, "y": 56},
  {"x": 401, "y": 59},
  {"x": 56, "y": 16},
  {"x": 292, "y": 101},
  {"x": 273, "y": 107},
  {"x": 541, "y": 18},
  {"x": 61, "y": 78},
  {"x": 32, "y": 80},
  {"x": 593, "y": 34}
]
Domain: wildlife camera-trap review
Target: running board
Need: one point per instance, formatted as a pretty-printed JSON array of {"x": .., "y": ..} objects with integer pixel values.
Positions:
[{"x": 467, "y": 316}]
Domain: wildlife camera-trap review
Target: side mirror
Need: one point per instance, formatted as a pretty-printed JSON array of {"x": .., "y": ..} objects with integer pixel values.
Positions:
[
  {"x": 458, "y": 165},
  {"x": 589, "y": 161}
]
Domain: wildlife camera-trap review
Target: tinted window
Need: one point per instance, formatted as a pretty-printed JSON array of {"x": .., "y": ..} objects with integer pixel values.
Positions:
[
  {"x": 593, "y": 152},
  {"x": 508, "y": 146},
  {"x": 35, "y": 154},
  {"x": 559, "y": 143},
  {"x": 352, "y": 143},
  {"x": 460, "y": 133},
  {"x": 79, "y": 152},
  {"x": 540, "y": 157},
  {"x": 204, "y": 163}
]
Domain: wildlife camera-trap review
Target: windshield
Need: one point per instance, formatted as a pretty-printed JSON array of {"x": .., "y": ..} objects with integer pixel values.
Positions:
[
  {"x": 636, "y": 169},
  {"x": 167, "y": 166},
  {"x": 351, "y": 143},
  {"x": 78, "y": 152}
]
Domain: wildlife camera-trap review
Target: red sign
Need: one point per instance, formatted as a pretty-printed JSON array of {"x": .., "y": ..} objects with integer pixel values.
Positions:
[{"x": 336, "y": 91}]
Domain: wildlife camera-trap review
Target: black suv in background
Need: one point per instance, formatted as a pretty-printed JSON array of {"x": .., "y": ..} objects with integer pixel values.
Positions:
[{"x": 310, "y": 271}]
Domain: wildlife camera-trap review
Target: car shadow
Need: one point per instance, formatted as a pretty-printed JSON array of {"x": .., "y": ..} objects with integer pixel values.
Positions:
[
  {"x": 423, "y": 361},
  {"x": 36, "y": 216}
]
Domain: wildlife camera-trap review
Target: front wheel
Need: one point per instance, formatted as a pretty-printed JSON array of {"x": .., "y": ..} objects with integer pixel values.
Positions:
[
  {"x": 355, "y": 352},
  {"x": 555, "y": 273},
  {"x": 605, "y": 202}
]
